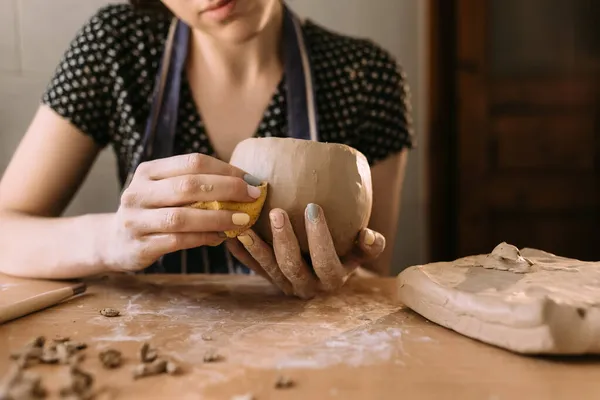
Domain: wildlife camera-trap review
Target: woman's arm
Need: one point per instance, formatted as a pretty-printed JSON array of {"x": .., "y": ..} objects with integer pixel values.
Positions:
[
  {"x": 45, "y": 172},
  {"x": 388, "y": 177}
]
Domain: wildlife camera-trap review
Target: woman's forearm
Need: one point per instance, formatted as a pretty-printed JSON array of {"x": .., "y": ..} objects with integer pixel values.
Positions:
[{"x": 52, "y": 248}]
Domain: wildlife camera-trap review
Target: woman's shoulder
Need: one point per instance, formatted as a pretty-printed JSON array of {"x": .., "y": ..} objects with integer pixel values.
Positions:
[
  {"x": 120, "y": 26},
  {"x": 350, "y": 53}
]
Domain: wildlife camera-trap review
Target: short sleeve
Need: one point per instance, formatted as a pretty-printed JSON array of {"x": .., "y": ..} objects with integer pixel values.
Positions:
[
  {"x": 80, "y": 89},
  {"x": 385, "y": 123}
]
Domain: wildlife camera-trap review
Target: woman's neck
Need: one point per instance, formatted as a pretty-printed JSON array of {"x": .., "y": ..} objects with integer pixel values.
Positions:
[{"x": 240, "y": 62}]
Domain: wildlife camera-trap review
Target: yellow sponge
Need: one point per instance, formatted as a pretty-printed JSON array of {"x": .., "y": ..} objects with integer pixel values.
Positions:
[{"x": 253, "y": 209}]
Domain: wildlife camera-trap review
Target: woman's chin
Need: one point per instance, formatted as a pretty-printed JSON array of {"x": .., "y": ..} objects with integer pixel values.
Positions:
[{"x": 232, "y": 31}]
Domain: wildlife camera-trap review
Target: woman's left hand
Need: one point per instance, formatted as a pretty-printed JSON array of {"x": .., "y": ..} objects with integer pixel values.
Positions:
[{"x": 284, "y": 265}]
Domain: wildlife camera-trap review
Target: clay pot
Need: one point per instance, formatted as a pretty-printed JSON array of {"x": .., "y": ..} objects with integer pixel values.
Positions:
[{"x": 298, "y": 172}]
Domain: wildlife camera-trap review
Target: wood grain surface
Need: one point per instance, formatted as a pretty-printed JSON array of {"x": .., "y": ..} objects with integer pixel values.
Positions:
[{"x": 358, "y": 344}]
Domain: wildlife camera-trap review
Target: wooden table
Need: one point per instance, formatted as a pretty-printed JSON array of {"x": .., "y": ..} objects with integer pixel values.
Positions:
[{"x": 358, "y": 344}]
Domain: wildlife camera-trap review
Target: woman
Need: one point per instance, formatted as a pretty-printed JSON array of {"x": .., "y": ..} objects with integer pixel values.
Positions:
[{"x": 242, "y": 67}]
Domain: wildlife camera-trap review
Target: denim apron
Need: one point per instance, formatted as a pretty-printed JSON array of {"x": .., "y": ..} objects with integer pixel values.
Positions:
[{"x": 159, "y": 134}]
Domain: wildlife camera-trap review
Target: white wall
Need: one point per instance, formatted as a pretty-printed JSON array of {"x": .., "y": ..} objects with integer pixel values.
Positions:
[{"x": 34, "y": 33}]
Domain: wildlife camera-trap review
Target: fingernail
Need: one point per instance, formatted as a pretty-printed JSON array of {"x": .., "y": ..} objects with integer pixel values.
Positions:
[
  {"x": 240, "y": 218},
  {"x": 277, "y": 219},
  {"x": 222, "y": 234},
  {"x": 253, "y": 192},
  {"x": 252, "y": 180},
  {"x": 313, "y": 212},
  {"x": 246, "y": 240},
  {"x": 369, "y": 237}
]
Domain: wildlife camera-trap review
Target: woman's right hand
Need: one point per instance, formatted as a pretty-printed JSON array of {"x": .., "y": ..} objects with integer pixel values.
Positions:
[{"x": 153, "y": 218}]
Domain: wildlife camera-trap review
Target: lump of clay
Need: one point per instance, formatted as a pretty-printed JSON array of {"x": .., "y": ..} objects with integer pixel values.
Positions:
[
  {"x": 298, "y": 172},
  {"x": 506, "y": 257}
]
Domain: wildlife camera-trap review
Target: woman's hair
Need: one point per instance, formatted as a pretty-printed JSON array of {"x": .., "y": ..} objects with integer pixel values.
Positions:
[{"x": 149, "y": 5}]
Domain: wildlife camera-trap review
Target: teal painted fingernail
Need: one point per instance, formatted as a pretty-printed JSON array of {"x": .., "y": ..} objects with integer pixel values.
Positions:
[
  {"x": 313, "y": 212},
  {"x": 252, "y": 180}
]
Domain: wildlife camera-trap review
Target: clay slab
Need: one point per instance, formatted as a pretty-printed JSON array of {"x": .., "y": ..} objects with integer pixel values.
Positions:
[{"x": 550, "y": 307}]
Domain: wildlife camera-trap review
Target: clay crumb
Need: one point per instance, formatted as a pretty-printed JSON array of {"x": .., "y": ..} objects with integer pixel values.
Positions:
[
  {"x": 172, "y": 368},
  {"x": 206, "y": 188},
  {"x": 364, "y": 318},
  {"x": 29, "y": 386},
  {"x": 206, "y": 337},
  {"x": 147, "y": 353},
  {"x": 31, "y": 353},
  {"x": 110, "y": 358},
  {"x": 149, "y": 369},
  {"x": 61, "y": 339},
  {"x": 80, "y": 384},
  {"x": 211, "y": 356},
  {"x": 21, "y": 384},
  {"x": 110, "y": 312},
  {"x": 248, "y": 396},
  {"x": 284, "y": 382},
  {"x": 50, "y": 356},
  {"x": 581, "y": 312}
]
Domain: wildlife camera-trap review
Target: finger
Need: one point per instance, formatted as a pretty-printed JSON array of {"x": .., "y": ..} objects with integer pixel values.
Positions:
[
  {"x": 326, "y": 263},
  {"x": 369, "y": 246},
  {"x": 188, "y": 189},
  {"x": 186, "y": 164},
  {"x": 157, "y": 245},
  {"x": 183, "y": 219},
  {"x": 263, "y": 254},
  {"x": 236, "y": 248},
  {"x": 288, "y": 255}
]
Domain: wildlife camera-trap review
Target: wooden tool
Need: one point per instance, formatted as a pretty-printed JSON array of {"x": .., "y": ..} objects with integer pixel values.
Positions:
[{"x": 38, "y": 302}]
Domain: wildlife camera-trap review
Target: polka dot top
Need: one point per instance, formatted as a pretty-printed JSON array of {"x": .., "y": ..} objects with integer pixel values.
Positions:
[{"x": 104, "y": 84}]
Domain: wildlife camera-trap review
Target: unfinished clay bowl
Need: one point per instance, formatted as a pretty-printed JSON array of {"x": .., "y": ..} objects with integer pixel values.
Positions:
[{"x": 299, "y": 172}]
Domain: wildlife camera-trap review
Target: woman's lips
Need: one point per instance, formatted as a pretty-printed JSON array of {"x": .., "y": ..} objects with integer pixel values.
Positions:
[{"x": 221, "y": 10}]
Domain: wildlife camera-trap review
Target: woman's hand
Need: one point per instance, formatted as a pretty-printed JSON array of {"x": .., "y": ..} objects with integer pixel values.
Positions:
[
  {"x": 153, "y": 220},
  {"x": 284, "y": 265}
]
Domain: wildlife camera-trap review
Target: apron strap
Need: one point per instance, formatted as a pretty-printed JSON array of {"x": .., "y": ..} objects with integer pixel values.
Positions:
[{"x": 302, "y": 112}]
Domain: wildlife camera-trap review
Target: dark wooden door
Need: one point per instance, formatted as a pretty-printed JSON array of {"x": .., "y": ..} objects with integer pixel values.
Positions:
[{"x": 527, "y": 125}]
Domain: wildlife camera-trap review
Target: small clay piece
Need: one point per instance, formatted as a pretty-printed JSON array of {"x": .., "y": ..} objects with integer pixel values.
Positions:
[
  {"x": 110, "y": 312},
  {"x": 156, "y": 367},
  {"x": 75, "y": 346},
  {"x": 284, "y": 382},
  {"x": 248, "y": 396},
  {"x": 66, "y": 352},
  {"x": 62, "y": 353},
  {"x": 211, "y": 356},
  {"x": 334, "y": 176},
  {"x": 506, "y": 257},
  {"x": 80, "y": 384},
  {"x": 172, "y": 368},
  {"x": 23, "y": 385},
  {"x": 147, "y": 354},
  {"x": 61, "y": 339},
  {"x": 39, "y": 341},
  {"x": 364, "y": 318},
  {"x": 206, "y": 337},
  {"x": 111, "y": 358},
  {"x": 30, "y": 353},
  {"x": 50, "y": 356}
]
